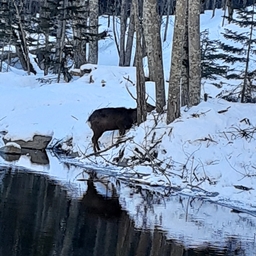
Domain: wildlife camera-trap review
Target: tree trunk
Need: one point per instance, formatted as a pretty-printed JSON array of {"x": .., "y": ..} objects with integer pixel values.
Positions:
[
  {"x": 123, "y": 25},
  {"x": 23, "y": 52},
  {"x": 167, "y": 19},
  {"x": 130, "y": 35},
  {"x": 140, "y": 78},
  {"x": 151, "y": 25},
  {"x": 185, "y": 66},
  {"x": 80, "y": 19},
  {"x": 45, "y": 18},
  {"x": 194, "y": 52},
  {"x": 93, "y": 19},
  {"x": 245, "y": 88},
  {"x": 173, "y": 107},
  {"x": 61, "y": 37}
]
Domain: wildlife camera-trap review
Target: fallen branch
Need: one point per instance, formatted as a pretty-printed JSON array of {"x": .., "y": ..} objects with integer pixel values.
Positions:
[
  {"x": 106, "y": 149},
  {"x": 198, "y": 115},
  {"x": 207, "y": 139},
  {"x": 242, "y": 187},
  {"x": 224, "y": 110}
]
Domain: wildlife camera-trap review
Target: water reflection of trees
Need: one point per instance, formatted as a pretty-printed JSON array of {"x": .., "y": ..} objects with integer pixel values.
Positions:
[{"x": 37, "y": 217}]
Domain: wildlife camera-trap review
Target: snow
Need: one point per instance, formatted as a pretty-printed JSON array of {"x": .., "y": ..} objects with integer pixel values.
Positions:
[{"x": 206, "y": 153}]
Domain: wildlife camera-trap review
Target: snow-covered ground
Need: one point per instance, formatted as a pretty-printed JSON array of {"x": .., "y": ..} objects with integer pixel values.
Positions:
[{"x": 209, "y": 152}]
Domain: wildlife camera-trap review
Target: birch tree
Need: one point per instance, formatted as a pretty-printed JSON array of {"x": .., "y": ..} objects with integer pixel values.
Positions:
[
  {"x": 151, "y": 27},
  {"x": 93, "y": 24}
]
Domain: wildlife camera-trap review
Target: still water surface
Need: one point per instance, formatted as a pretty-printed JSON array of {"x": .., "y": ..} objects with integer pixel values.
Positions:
[{"x": 38, "y": 217}]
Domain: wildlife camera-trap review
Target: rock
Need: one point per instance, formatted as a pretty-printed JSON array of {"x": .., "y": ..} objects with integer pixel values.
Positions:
[
  {"x": 39, "y": 142},
  {"x": 11, "y": 148},
  {"x": 84, "y": 69},
  {"x": 36, "y": 156},
  {"x": 76, "y": 72}
]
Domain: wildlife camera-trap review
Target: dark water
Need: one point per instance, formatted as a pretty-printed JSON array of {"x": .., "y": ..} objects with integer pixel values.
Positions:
[{"x": 39, "y": 218}]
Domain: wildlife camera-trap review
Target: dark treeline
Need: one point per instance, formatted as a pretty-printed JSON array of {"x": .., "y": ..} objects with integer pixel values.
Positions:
[{"x": 110, "y": 7}]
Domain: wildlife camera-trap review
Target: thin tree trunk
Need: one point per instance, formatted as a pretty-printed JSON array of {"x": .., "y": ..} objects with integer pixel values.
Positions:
[
  {"x": 130, "y": 35},
  {"x": 61, "y": 37},
  {"x": 23, "y": 47},
  {"x": 93, "y": 45},
  {"x": 167, "y": 19},
  {"x": 140, "y": 77},
  {"x": 123, "y": 25},
  {"x": 194, "y": 52},
  {"x": 245, "y": 84},
  {"x": 45, "y": 15},
  {"x": 115, "y": 35},
  {"x": 185, "y": 67},
  {"x": 173, "y": 106}
]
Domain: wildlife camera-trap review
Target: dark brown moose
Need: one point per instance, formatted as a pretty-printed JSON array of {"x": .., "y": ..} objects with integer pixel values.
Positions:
[{"x": 109, "y": 119}]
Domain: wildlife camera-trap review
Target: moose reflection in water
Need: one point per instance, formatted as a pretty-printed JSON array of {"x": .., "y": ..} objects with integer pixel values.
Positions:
[{"x": 38, "y": 217}]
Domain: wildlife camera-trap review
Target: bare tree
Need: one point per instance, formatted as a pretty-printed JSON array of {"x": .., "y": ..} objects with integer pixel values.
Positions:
[
  {"x": 185, "y": 66},
  {"x": 194, "y": 52},
  {"x": 79, "y": 30},
  {"x": 93, "y": 23},
  {"x": 123, "y": 26},
  {"x": 185, "y": 75},
  {"x": 173, "y": 106},
  {"x": 151, "y": 27},
  {"x": 22, "y": 46},
  {"x": 130, "y": 35},
  {"x": 245, "y": 87},
  {"x": 61, "y": 32},
  {"x": 140, "y": 77}
]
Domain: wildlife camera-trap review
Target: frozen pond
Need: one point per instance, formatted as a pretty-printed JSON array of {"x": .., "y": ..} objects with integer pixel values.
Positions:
[{"x": 51, "y": 208}]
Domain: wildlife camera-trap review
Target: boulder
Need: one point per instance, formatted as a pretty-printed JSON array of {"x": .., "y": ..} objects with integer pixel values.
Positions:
[
  {"x": 39, "y": 142},
  {"x": 11, "y": 148}
]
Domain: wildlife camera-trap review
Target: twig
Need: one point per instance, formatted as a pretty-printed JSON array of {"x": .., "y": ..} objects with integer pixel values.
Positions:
[
  {"x": 130, "y": 81},
  {"x": 74, "y": 117},
  {"x": 202, "y": 113}
]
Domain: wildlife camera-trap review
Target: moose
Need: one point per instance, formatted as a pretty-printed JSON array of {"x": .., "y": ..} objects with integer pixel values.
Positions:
[{"x": 109, "y": 119}]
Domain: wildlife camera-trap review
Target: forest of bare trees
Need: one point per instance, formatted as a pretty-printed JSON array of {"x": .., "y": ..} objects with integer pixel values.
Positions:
[{"x": 65, "y": 34}]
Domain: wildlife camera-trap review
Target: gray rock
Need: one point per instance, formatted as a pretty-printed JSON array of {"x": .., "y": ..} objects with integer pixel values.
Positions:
[
  {"x": 11, "y": 148},
  {"x": 39, "y": 142}
]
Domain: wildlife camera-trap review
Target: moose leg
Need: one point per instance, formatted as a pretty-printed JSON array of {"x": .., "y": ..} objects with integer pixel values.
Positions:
[
  {"x": 95, "y": 138},
  {"x": 121, "y": 128}
]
